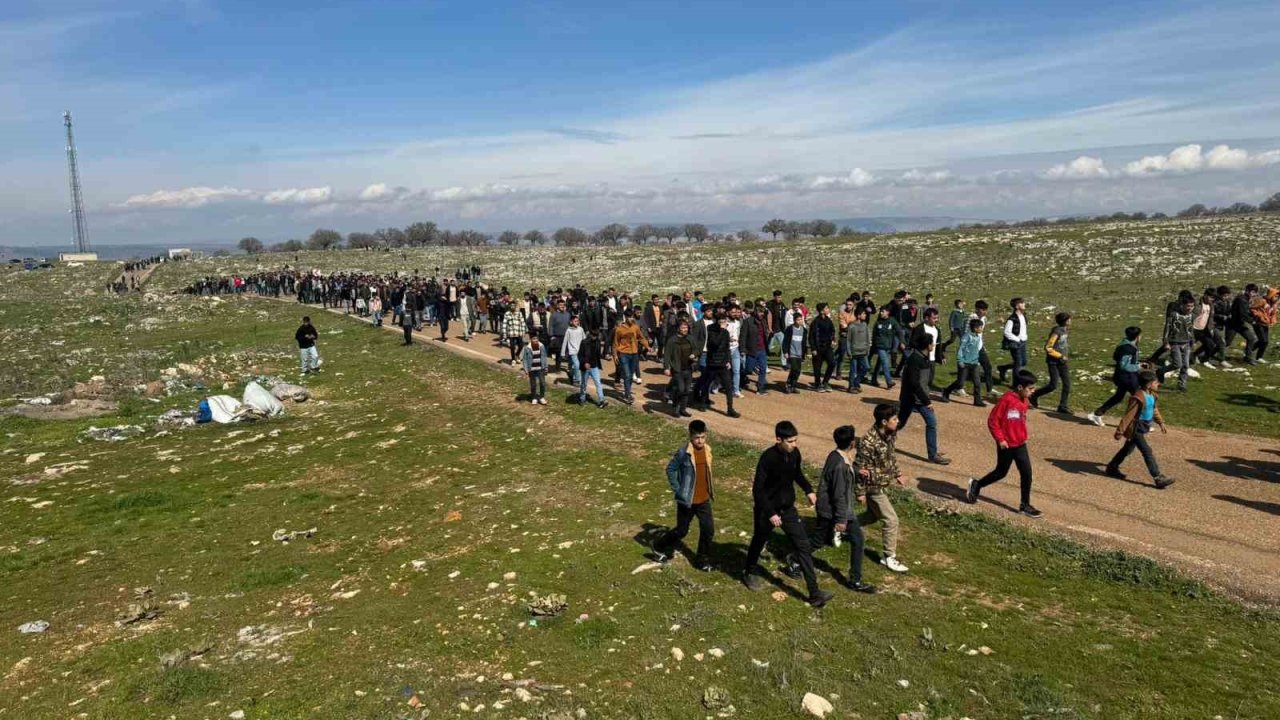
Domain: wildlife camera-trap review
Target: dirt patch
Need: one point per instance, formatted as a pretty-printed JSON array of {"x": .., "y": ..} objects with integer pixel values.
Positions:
[{"x": 76, "y": 409}]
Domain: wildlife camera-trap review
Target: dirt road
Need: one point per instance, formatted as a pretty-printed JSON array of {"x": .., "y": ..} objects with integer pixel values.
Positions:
[{"x": 1220, "y": 522}]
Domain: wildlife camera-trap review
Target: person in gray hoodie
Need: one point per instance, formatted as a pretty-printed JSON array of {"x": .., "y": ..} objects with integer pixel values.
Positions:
[
  {"x": 558, "y": 325},
  {"x": 857, "y": 343},
  {"x": 1179, "y": 331}
]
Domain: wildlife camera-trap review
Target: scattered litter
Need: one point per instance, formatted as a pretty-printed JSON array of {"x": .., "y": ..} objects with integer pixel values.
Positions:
[
  {"x": 716, "y": 699},
  {"x": 759, "y": 664},
  {"x": 645, "y": 567},
  {"x": 112, "y": 434},
  {"x": 548, "y": 605},
  {"x": 38, "y": 626},
  {"x": 176, "y": 418},
  {"x": 285, "y": 536}
]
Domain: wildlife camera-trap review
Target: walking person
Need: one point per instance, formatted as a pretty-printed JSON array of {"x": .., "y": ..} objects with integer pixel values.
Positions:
[
  {"x": 679, "y": 357},
  {"x": 968, "y": 359},
  {"x": 857, "y": 340},
  {"x": 1015, "y": 338},
  {"x": 718, "y": 365},
  {"x": 513, "y": 329},
  {"x": 1179, "y": 331},
  {"x": 628, "y": 339},
  {"x": 914, "y": 396},
  {"x": 980, "y": 310},
  {"x": 1241, "y": 322},
  {"x": 1143, "y": 410},
  {"x": 795, "y": 346},
  {"x": 1125, "y": 375},
  {"x": 755, "y": 347},
  {"x": 308, "y": 355},
  {"x": 570, "y": 343},
  {"x": 885, "y": 339},
  {"x": 1007, "y": 424},
  {"x": 1057, "y": 351},
  {"x": 778, "y": 472},
  {"x": 822, "y": 338},
  {"x": 689, "y": 474},
  {"x": 533, "y": 360},
  {"x": 588, "y": 361},
  {"x": 1202, "y": 326},
  {"x": 835, "y": 506},
  {"x": 877, "y": 468},
  {"x": 406, "y": 324},
  {"x": 444, "y": 310}
]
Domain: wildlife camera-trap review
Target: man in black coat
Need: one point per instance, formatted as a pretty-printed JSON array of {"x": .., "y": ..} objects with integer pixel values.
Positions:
[
  {"x": 718, "y": 365},
  {"x": 914, "y": 395},
  {"x": 773, "y": 496}
]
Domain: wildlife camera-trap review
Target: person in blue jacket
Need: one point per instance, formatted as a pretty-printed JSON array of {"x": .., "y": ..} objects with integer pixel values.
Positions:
[{"x": 689, "y": 474}]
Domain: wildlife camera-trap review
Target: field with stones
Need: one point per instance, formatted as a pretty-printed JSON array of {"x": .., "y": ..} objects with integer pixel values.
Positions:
[{"x": 411, "y": 543}]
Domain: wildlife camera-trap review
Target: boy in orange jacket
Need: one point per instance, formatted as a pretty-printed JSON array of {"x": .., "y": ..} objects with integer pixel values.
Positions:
[{"x": 1008, "y": 425}]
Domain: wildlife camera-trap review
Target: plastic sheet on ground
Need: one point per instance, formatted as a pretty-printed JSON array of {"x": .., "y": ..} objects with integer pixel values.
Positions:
[
  {"x": 262, "y": 401},
  {"x": 225, "y": 408},
  {"x": 289, "y": 391}
]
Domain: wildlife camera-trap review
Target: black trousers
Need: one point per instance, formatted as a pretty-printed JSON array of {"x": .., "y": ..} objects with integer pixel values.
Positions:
[
  {"x": 408, "y": 334},
  {"x": 684, "y": 516},
  {"x": 1264, "y": 340},
  {"x": 1139, "y": 442},
  {"x": 516, "y": 346},
  {"x": 985, "y": 361},
  {"x": 823, "y": 365},
  {"x": 710, "y": 374},
  {"x": 963, "y": 374},
  {"x": 825, "y": 533},
  {"x": 791, "y": 525},
  {"x": 795, "y": 366},
  {"x": 1006, "y": 457},
  {"x": 1126, "y": 383},
  {"x": 681, "y": 386},
  {"x": 1250, "y": 339},
  {"x": 1058, "y": 372}
]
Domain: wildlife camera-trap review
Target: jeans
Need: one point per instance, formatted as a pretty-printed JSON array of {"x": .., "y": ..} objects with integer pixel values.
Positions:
[
  {"x": 735, "y": 366},
  {"x": 574, "y": 369},
  {"x": 1006, "y": 457},
  {"x": 594, "y": 374},
  {"x": 853, "y": 535},
  {"x": 883, "y": 366},
  {"x": 1181, "y": 355},
  {"x": 1139, "y": 441},
  {"x": 628, "y": 363},
  {"x": 1250, "y": 339},
  {"x": 1017, "y": 359},
  {"x": 408, "y": 334},
  {"x": 930, "y": 424},
  {"x": 776, "y": 339},
  {"x": 538, "y": 384},
  {"x": 879, "y": 509},
  {"x": 759, "y": 361},
  {"x": 858, "y": 368},
  {"x": 791, "y": 525},
  {"x": 684, "y": 516},
  {"x": 1058, "y": 372},
  {"x": 309, "y": 358}
]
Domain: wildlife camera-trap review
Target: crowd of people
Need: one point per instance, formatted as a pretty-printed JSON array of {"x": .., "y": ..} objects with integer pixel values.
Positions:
[
  {"x": 725, "y": 346},
  {"x": 134, "y": 274}
]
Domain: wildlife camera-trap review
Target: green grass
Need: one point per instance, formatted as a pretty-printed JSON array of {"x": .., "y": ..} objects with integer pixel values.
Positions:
[{"x": 1073, "y": 632}]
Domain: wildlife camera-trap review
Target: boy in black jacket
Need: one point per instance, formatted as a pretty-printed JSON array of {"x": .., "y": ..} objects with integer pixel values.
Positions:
[
  {"x": 835, "y": 508},
  {"x": 773, "y": 493},
  {"x": 914, "y": 396}
]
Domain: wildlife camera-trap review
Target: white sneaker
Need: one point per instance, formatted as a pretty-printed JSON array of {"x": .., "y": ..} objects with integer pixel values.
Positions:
[
  {"x": 542, "y": 401},
  {"x": 738, "y": 394},
  {"x": 533, "y": 401},
  {"x": 1225, "y": 364},
  {"x": 1193, "y": 373},
  {"x": 960, "y": 393},
  {"x": 1096, "y": 420},
  {"x": 893, "y": 564},
  {"x": 1209, "y": 365},
  {"x": 635, "y": 378}
]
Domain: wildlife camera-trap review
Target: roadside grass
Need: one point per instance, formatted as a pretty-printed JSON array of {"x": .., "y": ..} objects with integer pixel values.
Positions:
[
  {"x": 428, "y": 486},
  {"x": 1108, "y": 275}
]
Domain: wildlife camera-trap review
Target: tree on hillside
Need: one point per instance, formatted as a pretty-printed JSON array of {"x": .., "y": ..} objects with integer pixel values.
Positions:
[
  {"x": 509, "y": 237},
  {"x": 612, "y": 234},
  {"x": 1197, "y": 210},
  {"x": 471, "y": 238},
  {"x": 390, "y": 237},
  {"x": 569, "y": 237},
  {"x": 323, "y": 239},
  {"x": 292, "y": 245},
  {"x": 697, "y": 232},
  {"x": 421, "y": 234},
  {"x": 745, "y": 235},
  {"x": 640, "y": 234},
  {"x": 847, "y": 230},
  {"x": 535, "y": 237},
  {"x": 669, "y": 233},
  {"x": 362, "y": 241},
  {"x": 1240, "y": 208},
  {"x": 1271, "y": 204},
  {"x": 251, "y": 245},
  {"x": 793, "y": 230},
  {"x": 822, "y": 228},
  {"x": 775, "y": 226}
]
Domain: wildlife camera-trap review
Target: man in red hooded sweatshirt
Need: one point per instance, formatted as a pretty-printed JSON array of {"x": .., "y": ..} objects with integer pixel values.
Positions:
[{"x": 1008, "y": 425}]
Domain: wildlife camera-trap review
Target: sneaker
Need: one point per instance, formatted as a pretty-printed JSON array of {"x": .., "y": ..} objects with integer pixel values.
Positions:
[
  {"x": 1029, "y": 511},
  {"x": 1163, "y": 481},
  {"x": 1034, "y": 402},
  {"x": 1096, "y": 420},
  {"x": 685, "y": 413},
  {"x": 893, "y": 563},
  {"x": 762, "y": 393},
  {"x": 891, "y": 386},
  {"x": 854, "y": 391},
  {"x": 542, "y": 401},
  {"x": 533, "y": 401},
  {"x": 940, "y": 459},
  {"x": 971, "y": 495},
  {"x": 945, "y": 397},
  {"x": 702, "y": 566},
  {"x": 1195, "y": 375},
  {"x": 635, "y": 378},
  {"x": 738, "y": 394},
  {"x": 791, "y": 570},
  {"x": 753, "y": 581},
  {"x": 979, "y": 403},
  {"x": 1063, "y": 411},
  {"x": 734, "y": 414},
  {"x": 862, "y": 587},
  {"x": 1224, "y": 364},
  {"x": 820, "y": 598},
  {"x": 660, "y": 557},
  {"x": 629, "y": 400},
  {"x": 601, "y": 404},
  {"x": 961, "y": 393}
]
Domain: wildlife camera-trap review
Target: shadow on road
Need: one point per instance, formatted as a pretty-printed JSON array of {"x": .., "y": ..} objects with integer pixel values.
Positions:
[
  {"x": 1088, "y": 467},
  {"x": 1266, "y": 507},
  {"x": 1252, "y": 400},
  {"x": 1242, "y": 468}
]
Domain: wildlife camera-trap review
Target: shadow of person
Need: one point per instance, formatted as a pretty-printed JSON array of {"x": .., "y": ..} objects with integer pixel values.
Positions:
[
  {"x": 940, "y": 489},
  {"x": 1253, "y": 400},
  {"x": 1242, "y": 468},
  {"x": 1089, "y": 467},
  {"x": 1260, "y": 505}
]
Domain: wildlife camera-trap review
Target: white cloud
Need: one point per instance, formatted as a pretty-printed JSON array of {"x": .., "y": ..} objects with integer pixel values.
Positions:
[
  {"x": 857, "y": 178},
  {"x": 1082, "y": 168},
  {"x": 192, "y": 197},
  {"x": 299, "y": 196},
  {"x": 919, "y": 177},
  {"x": 1190, "y": 158}
]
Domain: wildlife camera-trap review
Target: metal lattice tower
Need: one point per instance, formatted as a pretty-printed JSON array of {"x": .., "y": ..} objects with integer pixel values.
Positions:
[{"x": 77, "y": 198}]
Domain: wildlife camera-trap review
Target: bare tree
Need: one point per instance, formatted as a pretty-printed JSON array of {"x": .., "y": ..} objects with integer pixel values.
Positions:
[
  {"x": 696, "y": 232},
  {"x": 612, "y": 233},
  {"x": 391, "y": 237},
  {"x": 746, "y": 235},
  {"x": 421, "y": 234},
  {"x": 323, "y": 239},
  {"x": 292, "y": 245},
  {"x": 569, "y": 237},
  {"x": 361, "y": 240},
  {"x": 775, "y": 226},
  {"x": 535, "y": 237},
  {"x": 1271, "y": 204},
  {"x": 822, "y": 228},
  {"x": 792, "y": 230},
  {"x": 669, "y": 232},
  {"x": 509, "y": 237},
  {"x": 250, "y": 245},
  {"x": 640, "y": 234}
]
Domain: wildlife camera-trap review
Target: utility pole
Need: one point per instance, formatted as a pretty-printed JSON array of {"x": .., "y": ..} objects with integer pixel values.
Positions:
[{"x": 77, "y": 199}]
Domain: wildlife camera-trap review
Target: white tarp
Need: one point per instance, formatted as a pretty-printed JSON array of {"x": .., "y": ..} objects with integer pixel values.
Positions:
[
  {"x": 225, "y": 409},
  {"x": 258, "y": 398}
]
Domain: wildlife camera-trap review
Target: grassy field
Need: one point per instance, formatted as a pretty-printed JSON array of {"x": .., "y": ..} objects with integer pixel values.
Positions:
[
  {"x": 1108, "y": 275},
  {"x": 442, "y": 508}
]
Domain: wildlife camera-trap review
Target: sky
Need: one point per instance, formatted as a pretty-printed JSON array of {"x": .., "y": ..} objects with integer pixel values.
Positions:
[{"x": 211, "y": 120}]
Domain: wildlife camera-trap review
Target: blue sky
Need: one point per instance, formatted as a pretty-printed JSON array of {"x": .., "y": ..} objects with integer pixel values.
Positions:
[{"x": 207, "y": 120}]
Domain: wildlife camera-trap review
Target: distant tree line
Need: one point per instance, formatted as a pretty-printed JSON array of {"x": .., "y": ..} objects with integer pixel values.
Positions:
[
  {"x": 428, "y": 234},
  {"x": 1271, "y": 204}
]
